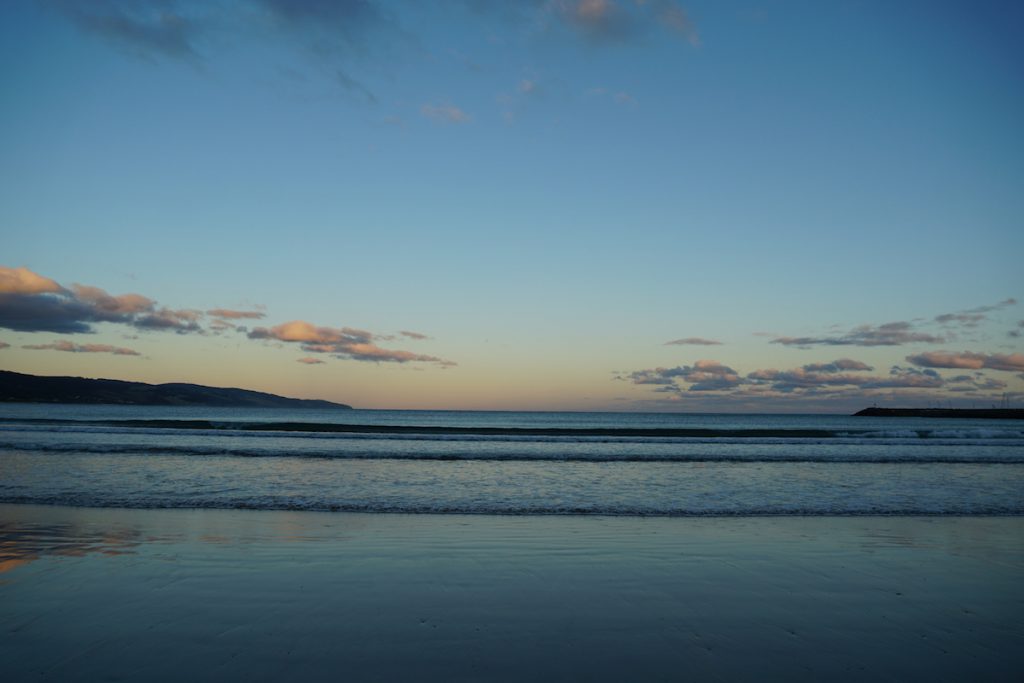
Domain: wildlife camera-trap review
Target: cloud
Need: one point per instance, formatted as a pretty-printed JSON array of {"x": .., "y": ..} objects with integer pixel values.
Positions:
[
  {"x": 181, "y": 321},
  {"x": 801, "y": 379},
  {"x": 968, "y": 360},
  {"x": 228, "y": 314},
  {"x": 445, "y": 113},
  {"x": 846, "y": 377},
  {"x": 889, "y": 334},
  {"x": 977, "y": 382},
  {"x": 611, "y": 21},
  {"x": 346, "y": 17},
  {"x": 345, "y": 342},
  {"x": 113, "y": 306},
  {"x": 624, "y": 98},
  {"x": 42, "y": 313},
  {"x": 704, "y": 375},
  {"x": 807, "y": 377},
  {"x": 903, "y": 378},
  {"x": 30, "y": 302},
  {"x": 333, "y": 32},
  {"x": 838, "y": 365},
  {"x": 147, "y": 28},
  {"x": 302, "y": 331},
  {"x": 310, "y": 361},
  {"x": 675, "y": 18},
  {"x": 24, "y": 281},
  {"x": 972, "y": 316},
  {"x": 4, "y": 345},
  {"x": 696, "y": 341},
  {"x": 82, "y": 348},
  {"x": 599, "y": 20}
]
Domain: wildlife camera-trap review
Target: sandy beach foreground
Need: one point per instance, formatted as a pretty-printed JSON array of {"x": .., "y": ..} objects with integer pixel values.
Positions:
[{"x": 90, "y": 594}]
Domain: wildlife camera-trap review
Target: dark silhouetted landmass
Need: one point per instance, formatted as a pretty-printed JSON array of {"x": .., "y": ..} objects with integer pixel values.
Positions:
[
  {"x": 20, "y": 388},
  {"x": 978, "y": 413}
]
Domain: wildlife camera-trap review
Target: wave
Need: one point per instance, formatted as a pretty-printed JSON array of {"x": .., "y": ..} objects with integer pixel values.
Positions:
[
  {"x": 492, "y": 508},
  {"x": 906, "y": 457},
  {"x": 331, "y": 428}
]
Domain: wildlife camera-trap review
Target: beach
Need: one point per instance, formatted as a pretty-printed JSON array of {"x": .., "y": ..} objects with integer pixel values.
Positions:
[{"x": 112, "y": 594}]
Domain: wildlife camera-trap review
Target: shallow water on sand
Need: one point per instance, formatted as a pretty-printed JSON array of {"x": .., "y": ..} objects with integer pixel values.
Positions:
[{"x": 274, "y": 595}]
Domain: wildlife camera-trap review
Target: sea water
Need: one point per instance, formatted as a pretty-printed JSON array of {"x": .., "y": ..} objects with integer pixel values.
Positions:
[{"x": 509, "y": 462}]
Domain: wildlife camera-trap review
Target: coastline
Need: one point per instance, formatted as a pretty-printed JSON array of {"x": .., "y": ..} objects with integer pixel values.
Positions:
[
  {"x": 226, "y": 594},
  {"x": 945, "y": 413}
]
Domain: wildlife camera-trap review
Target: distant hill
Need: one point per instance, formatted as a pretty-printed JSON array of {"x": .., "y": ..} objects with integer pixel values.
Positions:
[
  {"x": 982, "y": 413},
  {"x": 20, "y": 388}
]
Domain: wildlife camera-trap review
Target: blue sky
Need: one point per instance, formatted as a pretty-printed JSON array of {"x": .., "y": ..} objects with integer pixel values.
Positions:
[{"x": 547, "y": 191}]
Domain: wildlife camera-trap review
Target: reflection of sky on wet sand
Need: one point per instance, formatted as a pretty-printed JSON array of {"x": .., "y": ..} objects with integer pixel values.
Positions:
[
  {"x": 23, "y": 543},
  {"x": 29, "y": 532},
  {"x": 115, "y": 594}
]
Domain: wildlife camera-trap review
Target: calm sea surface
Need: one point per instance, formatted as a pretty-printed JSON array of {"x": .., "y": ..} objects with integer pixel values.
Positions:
[{"x": 508, "y": 462}]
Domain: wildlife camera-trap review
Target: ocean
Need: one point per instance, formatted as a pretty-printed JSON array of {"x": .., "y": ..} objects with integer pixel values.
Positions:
[{"x": 508, "y": 463}]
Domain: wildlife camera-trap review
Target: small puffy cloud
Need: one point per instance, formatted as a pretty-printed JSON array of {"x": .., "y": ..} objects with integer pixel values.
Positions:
[
  {"x": 889, "y": 334},
  {"x": 967, "y": 360},
  {"x": 345, "y": 342},
  {"x": 695, "y": 341},
  {"x": 412, "y": 335},
  {"x": 228, "y": 314},
  {"x": 82, "y": 348},
  {"x": 4, "y": 345},
  {"x": 307, "y": 333},
  {"x": 445, "y": 113},
  {"x": 310, "y": 361}
]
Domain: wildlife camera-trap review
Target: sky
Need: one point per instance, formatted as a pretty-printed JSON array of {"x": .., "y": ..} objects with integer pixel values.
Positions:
[{"x": 631, "y": 205}]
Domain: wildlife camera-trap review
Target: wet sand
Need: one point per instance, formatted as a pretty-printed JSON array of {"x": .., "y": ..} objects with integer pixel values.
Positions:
[{"x": 89, "y": 594}]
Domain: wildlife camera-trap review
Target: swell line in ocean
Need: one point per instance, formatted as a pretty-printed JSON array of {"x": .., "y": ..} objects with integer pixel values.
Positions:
[
  {"x": 925, "y": 456},
  {"x": 504, "y": 431}
]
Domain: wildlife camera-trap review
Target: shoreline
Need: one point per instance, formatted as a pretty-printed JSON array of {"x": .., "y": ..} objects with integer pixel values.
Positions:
[{"x": 91, "y": 593}]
